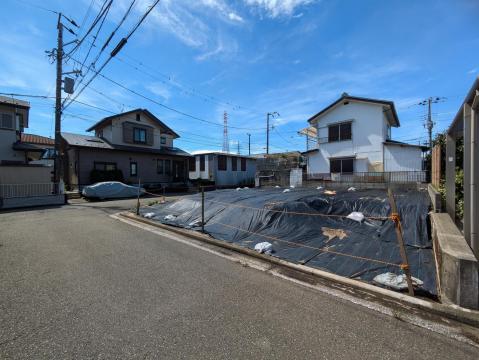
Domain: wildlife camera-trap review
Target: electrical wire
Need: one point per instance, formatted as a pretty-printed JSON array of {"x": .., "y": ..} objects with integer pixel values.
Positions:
[{"x": 122, "y": 42}]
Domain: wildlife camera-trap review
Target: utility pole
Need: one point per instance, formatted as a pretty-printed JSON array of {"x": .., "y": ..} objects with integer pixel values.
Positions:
[
  {"x": 58, "y": 173},
  {"x": 429, "y": 125},
  {"x": 272, "y": 114},
  {"x": 239, "y": 148},
  {"x": 249, "y": 144}
]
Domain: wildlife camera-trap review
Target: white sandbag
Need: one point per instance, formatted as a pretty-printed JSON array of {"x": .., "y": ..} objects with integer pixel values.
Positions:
[
  {"x": 396, "y": 282},
  {"x": 356, "y": 216},
  {"x": 195, "y": 223},
  {"x": 319, "y": 188},
  {"x": 292, "y": 186},
  {"x": 277, "y": 186},
  {"x": 170, "y": 217},
  {"x": 238, "y": 189},
  {"x": 149, "y": 215},
  {"x": 286, "y": 190},
  {"x": 264, "y": 247},
  {"x": 111, "y": 190}
]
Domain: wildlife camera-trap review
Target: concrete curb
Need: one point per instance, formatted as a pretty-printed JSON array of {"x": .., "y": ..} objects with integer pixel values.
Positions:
[{"x": 454, "y": 312}]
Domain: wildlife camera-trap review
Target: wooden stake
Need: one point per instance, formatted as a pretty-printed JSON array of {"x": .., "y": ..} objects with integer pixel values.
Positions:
[{"x": 402, "y": 249}]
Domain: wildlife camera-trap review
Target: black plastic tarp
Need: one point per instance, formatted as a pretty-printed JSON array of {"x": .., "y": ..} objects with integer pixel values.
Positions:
[{"x": 250, "y": 216}]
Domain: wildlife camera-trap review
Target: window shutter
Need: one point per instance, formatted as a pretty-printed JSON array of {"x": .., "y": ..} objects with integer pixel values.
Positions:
[
  {"x": 149, "y": 137},
  {"x": 128, "y": 133}
]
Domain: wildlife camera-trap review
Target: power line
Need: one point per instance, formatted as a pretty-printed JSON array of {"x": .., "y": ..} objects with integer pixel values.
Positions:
[
  {"x": 118, "y": 47},
  {"x": 90, "y": 29},
  {"x": 37, "y": 6},
  {"x": 185, "y": 89},
  {"x": 106, "y": 43},
  {"x": 166, "y": 106}
]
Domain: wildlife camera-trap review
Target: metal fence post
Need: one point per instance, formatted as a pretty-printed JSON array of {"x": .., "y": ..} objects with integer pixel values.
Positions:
[{"x": 203, "y": 209}]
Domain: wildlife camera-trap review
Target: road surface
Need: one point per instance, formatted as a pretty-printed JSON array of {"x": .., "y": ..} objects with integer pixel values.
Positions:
[{"x": 76, "y": 283}]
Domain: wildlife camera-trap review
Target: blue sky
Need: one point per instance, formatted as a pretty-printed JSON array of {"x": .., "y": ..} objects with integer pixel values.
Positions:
[{"x": 250, "y": 57}]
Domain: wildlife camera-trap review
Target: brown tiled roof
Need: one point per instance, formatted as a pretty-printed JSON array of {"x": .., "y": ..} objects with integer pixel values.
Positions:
[{"x": 36, "y": 139}]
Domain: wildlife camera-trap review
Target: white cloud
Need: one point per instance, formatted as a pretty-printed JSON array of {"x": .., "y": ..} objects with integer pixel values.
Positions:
[
  {"x": 195, "y": 23},
  {"x": 473, "y": 71},
  {"x": 160, "y": 90},
  {"x": 278, "y": 8},
  {"x": 235, "y": 17},
  {"x": 224, "y": 48}
]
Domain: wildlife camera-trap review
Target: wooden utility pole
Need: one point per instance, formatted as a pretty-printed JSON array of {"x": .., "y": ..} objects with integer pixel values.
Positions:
[
  {"x": 402, "y": 249},
  {"x": 58, "y": 173}
]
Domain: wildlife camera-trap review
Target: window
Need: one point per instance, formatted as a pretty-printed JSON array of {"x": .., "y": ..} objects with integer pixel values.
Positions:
[
  {"x": 139, "y": 135},
  {"x": 133, "y": 169},
  {"x": 234, "y": 163},
  {"x": 167, "y": 167},
  {"x": 192, "y": 163},
  {"x": 104, "y": 166},
  {"x": 20, "y": 124},
  {"x": 339, "y": 132},
  {"x": 159, "y": 166},
  {"x": 137, "y": 117},
  {"x": 343, "y": 166},
  {"x": 222, "y": 165},
  {"x": 202, "y": 163},
  {"x": 243, "y": 164},
  {"x": 6, "y": 121},
  {"x": 163, "y": 140}
]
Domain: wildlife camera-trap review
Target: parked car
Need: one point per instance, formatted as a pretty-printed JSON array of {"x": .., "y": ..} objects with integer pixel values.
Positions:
[{"x": 111, "y": 190}]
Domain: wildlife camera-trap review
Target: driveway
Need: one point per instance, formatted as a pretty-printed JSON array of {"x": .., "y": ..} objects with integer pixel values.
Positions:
[{"x": 76, "y": 283}]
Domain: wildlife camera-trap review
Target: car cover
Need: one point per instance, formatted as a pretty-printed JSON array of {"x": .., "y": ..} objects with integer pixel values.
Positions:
[{"x": 111, "y": 190}]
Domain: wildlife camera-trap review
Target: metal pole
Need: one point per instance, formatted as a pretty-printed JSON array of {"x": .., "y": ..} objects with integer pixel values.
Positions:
[
  {"x": 267, "y": 133},
  {"x": 58, "y": 105},
  {"x": 249, "y": 144},
  {"x": 138, "y": 198},
  {"x": 203, "y": 209},
  {"x": 429, "y": 124},
  {"x": 402, "y": 249}
]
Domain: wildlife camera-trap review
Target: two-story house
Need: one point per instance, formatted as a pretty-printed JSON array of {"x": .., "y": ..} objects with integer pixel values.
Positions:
[
  {"x": 134, "y": 145},
  {"x": 13, "y": 119},
  {"x": 354, "y": 136}
]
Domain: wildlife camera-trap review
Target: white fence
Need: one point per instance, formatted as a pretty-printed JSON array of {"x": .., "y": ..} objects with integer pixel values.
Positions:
[{"x": 10, "y": 191}]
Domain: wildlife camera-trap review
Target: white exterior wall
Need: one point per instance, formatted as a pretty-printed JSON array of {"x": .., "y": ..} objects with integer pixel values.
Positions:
[
  {"x": 369, "y": 129},
  {"x": 208, "y": 173},
  {"x": 113, "y": 133},
  {"x": 223, "y": 178},
  {"x": 7, "y": 139},
  {"x": 402, "y": 158}
]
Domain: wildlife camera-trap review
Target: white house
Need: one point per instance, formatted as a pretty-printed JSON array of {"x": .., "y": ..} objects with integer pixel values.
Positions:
[
  {"x": 354, "y": 136},
  {"x": 224, "y": 169}
]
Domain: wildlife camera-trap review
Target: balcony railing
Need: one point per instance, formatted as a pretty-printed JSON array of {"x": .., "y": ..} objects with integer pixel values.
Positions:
[{"x": 371, "y": 177}]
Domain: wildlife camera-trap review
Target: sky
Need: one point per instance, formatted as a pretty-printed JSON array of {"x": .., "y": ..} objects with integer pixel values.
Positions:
[{"x": 192, "y": 60}]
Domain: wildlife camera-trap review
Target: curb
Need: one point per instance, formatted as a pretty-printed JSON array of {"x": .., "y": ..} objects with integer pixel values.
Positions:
[{"x": 454, "y": 312}]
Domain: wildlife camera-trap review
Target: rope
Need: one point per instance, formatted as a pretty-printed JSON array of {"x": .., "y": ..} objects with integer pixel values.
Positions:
[
  {"x": 401, "y": 266},
  {"x": 296, "y": 212}
]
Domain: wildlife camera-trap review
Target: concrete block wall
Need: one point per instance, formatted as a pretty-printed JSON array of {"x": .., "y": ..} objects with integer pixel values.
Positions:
[{"x": 457, "y": 266}]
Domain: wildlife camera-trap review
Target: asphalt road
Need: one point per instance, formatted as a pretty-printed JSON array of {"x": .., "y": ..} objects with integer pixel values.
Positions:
[{"x": 76, "y": 283}]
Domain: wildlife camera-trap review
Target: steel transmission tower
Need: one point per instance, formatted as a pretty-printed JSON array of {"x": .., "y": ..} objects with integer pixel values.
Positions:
[{"x": 226, "y": 142}]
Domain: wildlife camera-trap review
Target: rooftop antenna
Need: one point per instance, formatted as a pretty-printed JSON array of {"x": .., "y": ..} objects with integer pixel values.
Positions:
[{"x": 226, "y": 143}]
